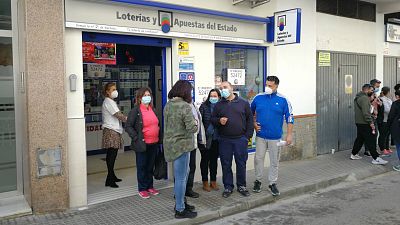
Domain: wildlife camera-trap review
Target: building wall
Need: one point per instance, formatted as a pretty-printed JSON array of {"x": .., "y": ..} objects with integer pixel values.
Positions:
[{"x": 46, "y": 101}]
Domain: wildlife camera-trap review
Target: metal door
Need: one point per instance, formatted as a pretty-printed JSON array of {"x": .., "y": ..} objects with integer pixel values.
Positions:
[
  {"x": 391, "y": 71},
  {"x": 347, "y": 89}
]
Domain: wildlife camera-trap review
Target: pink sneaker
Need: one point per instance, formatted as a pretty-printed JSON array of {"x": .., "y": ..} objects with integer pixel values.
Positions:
[
  {"x": 386, "y": 152},
  {"x": 390, "y": 150},
  {"x": 144, "y": 194},
  {"x": 153, "y": 191}
]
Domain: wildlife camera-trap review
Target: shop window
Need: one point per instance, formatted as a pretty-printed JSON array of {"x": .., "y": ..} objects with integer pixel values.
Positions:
[
  {"x": 347, "y": 8},
  {"x": 367, "y": 11},
  {"x": 246, "y": 63},
  {"x": 5, "y": 15},
  {"x": 355, "y": 9},
  {"x": 327, "y": 6}
]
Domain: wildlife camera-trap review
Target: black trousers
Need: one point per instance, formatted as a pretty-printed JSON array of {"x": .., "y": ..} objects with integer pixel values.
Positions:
[
  {"x": 209, "y": 160},
  {"x": 110, "y": 161},
  {"x": 384, "y": 136},
  {"x": 365, "y": 136},
  {"x": 192, "y": 169},
  {"x": 145, "y": 166}
]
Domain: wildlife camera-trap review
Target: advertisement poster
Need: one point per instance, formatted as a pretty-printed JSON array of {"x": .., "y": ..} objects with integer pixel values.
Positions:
[
  {"x": 99, "y": 53},
  {"x": 96, "y": 70},
  {"x": 237, "y": 76},
  {"x": 183, "y": 48}
]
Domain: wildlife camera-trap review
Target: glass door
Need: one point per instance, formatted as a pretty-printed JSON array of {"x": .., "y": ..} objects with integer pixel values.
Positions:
[{"x": 8, "y": 156}]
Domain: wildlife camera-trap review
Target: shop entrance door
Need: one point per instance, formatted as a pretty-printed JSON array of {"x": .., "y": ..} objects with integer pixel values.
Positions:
[{"x": 131, "y": 63}]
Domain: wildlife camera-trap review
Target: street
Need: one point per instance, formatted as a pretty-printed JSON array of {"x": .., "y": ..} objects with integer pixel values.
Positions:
[{"x": 372, "y": 201}]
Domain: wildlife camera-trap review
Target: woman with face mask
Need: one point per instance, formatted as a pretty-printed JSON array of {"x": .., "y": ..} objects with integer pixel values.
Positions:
[
  {"x": 143, "y": 127},
  {"x": 209, "y": 152},
  {"x": 112, "y": 131}
]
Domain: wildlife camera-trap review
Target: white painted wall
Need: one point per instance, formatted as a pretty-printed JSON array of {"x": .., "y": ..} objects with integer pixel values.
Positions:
[{"x": 76, "y": 121}]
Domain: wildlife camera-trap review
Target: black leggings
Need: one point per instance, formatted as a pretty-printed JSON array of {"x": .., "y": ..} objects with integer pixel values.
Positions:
[
  {"x": 209, "y": 160},
  {"x": 384, "y": 136},
  {"x": 110, "y": 160}
]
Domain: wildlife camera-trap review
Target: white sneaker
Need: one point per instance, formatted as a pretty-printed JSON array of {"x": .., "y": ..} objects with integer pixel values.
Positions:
[
  {"x": 379, "y": 161},
  {"x": 355, "y": 157}
]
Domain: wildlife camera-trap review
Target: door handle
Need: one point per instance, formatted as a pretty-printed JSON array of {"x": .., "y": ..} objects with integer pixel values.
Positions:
[{"x": 22, "y": 82}]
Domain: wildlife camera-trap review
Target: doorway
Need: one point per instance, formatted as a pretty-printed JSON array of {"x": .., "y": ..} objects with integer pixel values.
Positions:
[{"x": 131, "y": 63}]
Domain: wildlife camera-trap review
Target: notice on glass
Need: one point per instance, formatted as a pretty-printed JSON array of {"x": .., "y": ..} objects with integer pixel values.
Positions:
[
  {"x": 96, "y": 70},
  {"x": 237, "y": 76}
]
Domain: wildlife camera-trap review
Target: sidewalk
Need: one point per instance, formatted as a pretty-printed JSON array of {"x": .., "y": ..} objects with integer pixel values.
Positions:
[{"x": 296, "y": 178}]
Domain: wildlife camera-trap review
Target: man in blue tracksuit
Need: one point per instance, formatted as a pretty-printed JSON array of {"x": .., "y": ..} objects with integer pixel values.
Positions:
[
  {"x": 270, "y": 109},
  {"x": 233, "y": 118}
]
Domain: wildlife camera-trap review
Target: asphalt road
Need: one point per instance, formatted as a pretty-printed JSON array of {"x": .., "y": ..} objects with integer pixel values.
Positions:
[{"x": 369, "y": 202}]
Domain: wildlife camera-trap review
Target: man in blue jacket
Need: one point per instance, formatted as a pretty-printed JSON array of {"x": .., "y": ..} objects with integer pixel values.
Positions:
[
  {"x": 270, "y": 109},
  {"x": 233, "y": 119}
]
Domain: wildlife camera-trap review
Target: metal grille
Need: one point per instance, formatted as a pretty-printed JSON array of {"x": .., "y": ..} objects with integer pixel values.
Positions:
[
  {"x": 335, "y": 109},
  {"x": 391, "y": 71}
]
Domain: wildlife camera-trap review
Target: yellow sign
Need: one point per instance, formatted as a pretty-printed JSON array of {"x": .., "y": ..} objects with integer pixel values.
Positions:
[
  {"x": 324, "y": 59},
  {"x": 183, "y": 48}
]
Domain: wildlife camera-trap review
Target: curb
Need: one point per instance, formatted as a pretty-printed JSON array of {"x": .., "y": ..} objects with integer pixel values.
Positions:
[{"x": 238, "y": 207}]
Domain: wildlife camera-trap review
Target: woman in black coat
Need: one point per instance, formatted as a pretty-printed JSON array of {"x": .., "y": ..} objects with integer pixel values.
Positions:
[
  {"x": 394, "y": 124},
  {"x": 209, "y": 152}
]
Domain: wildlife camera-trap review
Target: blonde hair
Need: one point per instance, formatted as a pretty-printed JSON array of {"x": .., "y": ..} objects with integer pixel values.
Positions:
[{"x": 107, "y": 87}]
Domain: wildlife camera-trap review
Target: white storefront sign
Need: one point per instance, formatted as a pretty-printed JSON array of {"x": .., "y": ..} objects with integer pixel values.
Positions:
[
  {"x": 393, "y": 33},
  {"x": 287, "y": 27},
  {"x": 124, "y": 18},
  {"x": 237, "y": 76}
]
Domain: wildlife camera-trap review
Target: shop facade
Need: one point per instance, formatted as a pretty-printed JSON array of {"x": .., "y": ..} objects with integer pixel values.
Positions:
[{"x": 60, "y": 53}]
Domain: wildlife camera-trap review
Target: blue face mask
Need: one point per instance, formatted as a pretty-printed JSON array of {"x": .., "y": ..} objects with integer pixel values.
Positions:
[
  {"x": 146, "y": 100},
  {"x": 225, "y": 93},
  {"x": 213, "y": 100},
  {"x": 376, "y": 90}
]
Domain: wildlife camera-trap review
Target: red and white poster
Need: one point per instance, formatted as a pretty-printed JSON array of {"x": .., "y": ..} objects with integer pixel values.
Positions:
[{"x": 99, "y": 53}]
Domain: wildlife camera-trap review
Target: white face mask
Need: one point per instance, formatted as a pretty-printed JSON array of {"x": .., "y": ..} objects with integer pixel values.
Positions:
[
  {"x": 268, "y": 90},
  {"x": 114, "y": 94}
]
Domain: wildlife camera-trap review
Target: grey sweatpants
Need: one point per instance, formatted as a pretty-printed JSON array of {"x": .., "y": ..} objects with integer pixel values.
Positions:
[{"x": 263, "y": 145}]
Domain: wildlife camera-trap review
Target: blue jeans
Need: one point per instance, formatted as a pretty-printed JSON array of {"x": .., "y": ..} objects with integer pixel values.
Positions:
[
  {"x": 145, "y": 166},
  {"x": 181, "y": 172},
  {"x": 227, "y": 149},
  {"x": 398, "y": 150}
]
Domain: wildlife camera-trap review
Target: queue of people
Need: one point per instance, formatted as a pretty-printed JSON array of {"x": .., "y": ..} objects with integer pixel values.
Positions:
[{"x": 220, "y": 128}]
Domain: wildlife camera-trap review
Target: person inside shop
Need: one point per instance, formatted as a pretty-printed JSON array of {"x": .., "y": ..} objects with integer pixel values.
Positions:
[
  {"x": 234, "y": 121},
  {"x": 209, "y": 152},
  {"x": 143, "y": 128},
  {"x": 112, "y": 131},
  {"x": 180, "y": 131}
]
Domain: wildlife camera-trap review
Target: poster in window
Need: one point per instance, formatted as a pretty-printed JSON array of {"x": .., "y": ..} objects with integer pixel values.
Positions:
[
  {"x": 99, "y": 53},
  {"x": 237, "y": 76}
]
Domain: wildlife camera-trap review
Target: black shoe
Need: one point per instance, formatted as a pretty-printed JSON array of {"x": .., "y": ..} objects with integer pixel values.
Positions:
[
  {"x": 243, "y": 191},
  {"x": 257, "y": 186},
  {"x": 192, "y": 194},
  {"x": 188, "y": 207},
  {"x": 185, "y": 214},
  {"x": 274, "y": 190},
  {"x": 366, "y": 153},
  {"x": 226, "y": 193},
  {"x": 116, "y": 179},
  {"x": 111, "y": 184}
]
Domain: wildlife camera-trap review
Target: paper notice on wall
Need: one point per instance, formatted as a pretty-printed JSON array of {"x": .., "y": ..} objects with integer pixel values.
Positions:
[
  {"x": 324, "y": 59},
  {"x": 348, "y": 84},
  {"x": 237, "y": 76},
  {"x": 183, "y": 48},
  {"x": 186, "y": 63},
  {"x": 96, "y": 70},
  {"x": 202, "y": 94}
]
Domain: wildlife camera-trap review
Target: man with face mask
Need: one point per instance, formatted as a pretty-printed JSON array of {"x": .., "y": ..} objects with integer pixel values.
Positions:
[
  {"x": 366, "y": 131},
  {"x": 270, "y": 109},
  {"x": 234, "y": 122}
]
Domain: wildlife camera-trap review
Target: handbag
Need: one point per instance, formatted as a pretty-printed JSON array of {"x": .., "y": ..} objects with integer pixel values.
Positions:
[{"x": 160, "y": 165}]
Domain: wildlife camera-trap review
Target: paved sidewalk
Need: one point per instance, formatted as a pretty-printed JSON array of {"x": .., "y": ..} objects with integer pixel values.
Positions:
[{"x": 296, "y": 178}]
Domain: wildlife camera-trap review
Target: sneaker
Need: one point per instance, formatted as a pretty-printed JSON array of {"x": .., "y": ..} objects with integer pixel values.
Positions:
[
  {"x": 188, "y": 207},
  {"x": 144, "y": 194},
  {"x": 257, "y": 186},
  {"x": 379, "y": 161},
  {"x": 390, "y": 150},
  {"x": 396, "y": 168},
  {"x": 153, "y": 191},
  {"x": 226, "y": 193},
  {"x": 274, "y": 190},
  {"x": 243, "y": 191},
  {"x": 367, "y": 154},
  {"x": 355, "y": 157},
  {"x": 185, "y": 214},
  {"x": 386, "y": 152}
]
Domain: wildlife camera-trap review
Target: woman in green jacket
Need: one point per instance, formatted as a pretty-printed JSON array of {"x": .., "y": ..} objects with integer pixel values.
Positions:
[{"x": 180, "y": 128}]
